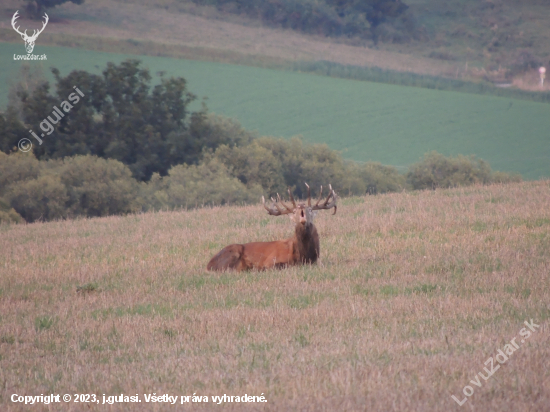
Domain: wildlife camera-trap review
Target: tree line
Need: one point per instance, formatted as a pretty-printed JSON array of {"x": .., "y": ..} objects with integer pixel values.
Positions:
[
  {"x": 375, "y": 19},
  {"x": 128, "y": 146},
  {"x": 385, "y": 20}
]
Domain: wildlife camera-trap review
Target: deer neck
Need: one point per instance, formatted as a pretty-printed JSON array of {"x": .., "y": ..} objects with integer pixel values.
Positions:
[
  {"x": 304, "y": 231},
  {"x": 307, "y": 243}
]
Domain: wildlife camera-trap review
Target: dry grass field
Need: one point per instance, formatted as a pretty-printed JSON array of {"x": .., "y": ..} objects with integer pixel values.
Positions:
[{"x": 414, "y": 292}]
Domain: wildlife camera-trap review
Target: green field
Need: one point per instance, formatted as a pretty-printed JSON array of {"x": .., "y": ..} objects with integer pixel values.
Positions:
[{"x": 394, "y": 125}]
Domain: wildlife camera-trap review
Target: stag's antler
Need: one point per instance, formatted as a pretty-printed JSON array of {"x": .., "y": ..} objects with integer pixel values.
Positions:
[
  {"x": 289, "y": 210},
  {"x": 274, "y": 209},
  {"x": 328, "y": 203}
]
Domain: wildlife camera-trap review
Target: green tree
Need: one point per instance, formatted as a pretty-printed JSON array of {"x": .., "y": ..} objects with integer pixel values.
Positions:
[
  {"x": 253, "y": 165},
  {"x": 206, "y": 132},
  {"x": 11, "y": 131},
  {"x": 301, "y": 162},
  {"x": 375, "y": 12},
  {"x": 116, "y": 115},
  {"x": 329, "y": 17}
]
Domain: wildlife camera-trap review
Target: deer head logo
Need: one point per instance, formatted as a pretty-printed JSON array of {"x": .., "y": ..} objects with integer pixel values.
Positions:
[{"x": 29, "y": 40}]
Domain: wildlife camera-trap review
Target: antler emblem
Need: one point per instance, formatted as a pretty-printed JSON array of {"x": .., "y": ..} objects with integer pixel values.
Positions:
[{"x": 29, "y": 40}]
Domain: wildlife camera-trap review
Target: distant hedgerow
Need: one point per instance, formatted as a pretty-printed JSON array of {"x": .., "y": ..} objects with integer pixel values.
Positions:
[{"x": 438, "y": 171}]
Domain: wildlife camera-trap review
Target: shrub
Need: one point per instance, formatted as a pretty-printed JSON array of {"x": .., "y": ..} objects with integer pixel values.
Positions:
[
  {"x": 8, "y": 214},
  {"x": 253, "y": 165},
  {"x": 76, "y": 186},
  {"x": 381, "y": 179},
  {"x": 43, "y": 198},
  {"x": 17, "y": 168},
  {"x": 208, "y": 183},
  {"x": 91, "y": 186},
  {"x": 436, "y": 170},
  {"x": 301, "y": 162},
  {"x": 98, "y": 187}
]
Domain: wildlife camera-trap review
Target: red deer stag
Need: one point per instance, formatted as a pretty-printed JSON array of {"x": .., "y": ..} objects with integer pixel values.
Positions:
[{"x": 303, "y": 248}]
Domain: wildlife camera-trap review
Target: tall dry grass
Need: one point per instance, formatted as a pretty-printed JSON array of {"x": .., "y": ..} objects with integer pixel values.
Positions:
[{"x": 413, "y": 293}]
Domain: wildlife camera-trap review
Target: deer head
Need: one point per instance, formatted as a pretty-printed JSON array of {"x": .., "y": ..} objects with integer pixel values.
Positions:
[
  {"x": 302, "y": 213},
  {"x": 29, "y": 40}
]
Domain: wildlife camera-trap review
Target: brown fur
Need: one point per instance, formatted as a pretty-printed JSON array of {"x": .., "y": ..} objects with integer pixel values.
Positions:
[
  {"x": 306, "y": 242},
  {"x": 303, "y": 248}
]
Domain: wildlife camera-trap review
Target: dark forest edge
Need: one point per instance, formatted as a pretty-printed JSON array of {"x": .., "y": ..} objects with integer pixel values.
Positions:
[
  {"x": 377, "y": 20},
  {"x": 116, "y": 145},
  {"x": 385, "y": 20}
]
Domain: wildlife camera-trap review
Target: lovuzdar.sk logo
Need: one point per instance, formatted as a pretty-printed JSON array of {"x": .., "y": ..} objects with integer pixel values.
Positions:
[{"x": 29, "y": 40}]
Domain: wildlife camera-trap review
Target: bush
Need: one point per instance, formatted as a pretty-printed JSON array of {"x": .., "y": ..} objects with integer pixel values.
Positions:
[
  {"x": 301, "y": 162},
  {"x": 43, "y": 198},
  {"x": 90, "y": 186},
  {"x": 98, "y": 187},
  {"x": 8, "y": 214},
  {"x": 208, "y": 183},
  {"x": 381, "y": 179},
  {"x": 17, "y": 168},
  {"x": 438, "y": 171},
  {"x": 36, "y": 8},
  {"x": 254, "y": 166},
  {"x": 54, "y": 189}
]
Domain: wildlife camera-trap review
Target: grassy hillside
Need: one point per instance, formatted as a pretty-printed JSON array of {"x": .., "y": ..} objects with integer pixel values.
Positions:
[
  {"x": 414, "y": 292},
  {"x": 509, "y": 33},
  {"x": 367, "y": 121}
]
